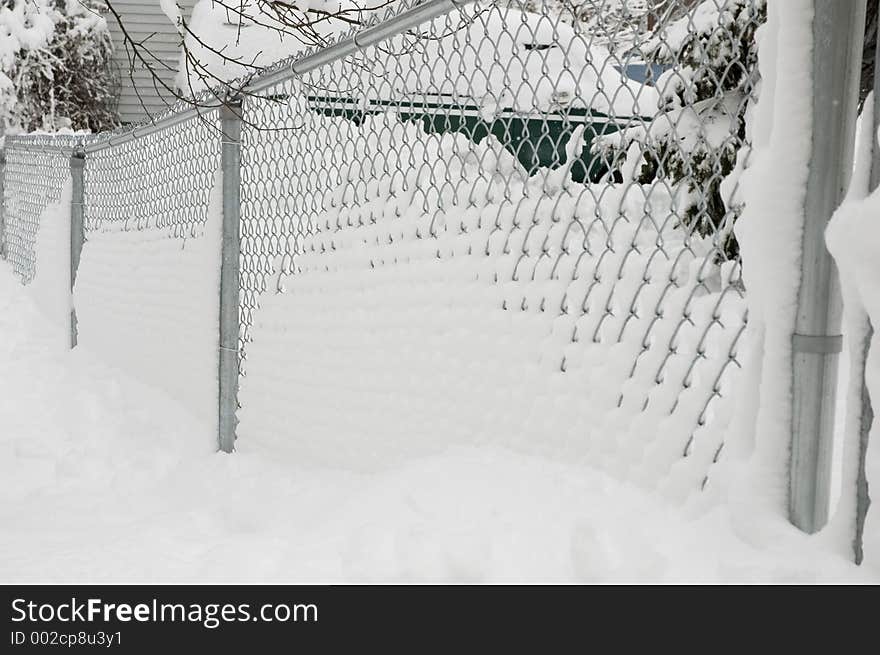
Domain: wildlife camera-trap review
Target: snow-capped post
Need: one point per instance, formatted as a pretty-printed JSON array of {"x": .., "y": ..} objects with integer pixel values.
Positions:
[
  {"x": 230, "y": 120},
  {"x": 838, "y": 33},
  {"x": 77, "y": 234}
]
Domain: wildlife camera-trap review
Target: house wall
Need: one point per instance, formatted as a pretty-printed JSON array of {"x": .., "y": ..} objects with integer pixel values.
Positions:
[{"x": 145, "y": 22}]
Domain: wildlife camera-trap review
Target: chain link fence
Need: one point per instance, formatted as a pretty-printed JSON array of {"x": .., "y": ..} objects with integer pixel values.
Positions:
[
  {"x": 34, "y": 174},
  {"x": 169, "y": 189},
  {"x": 583, "y": 157},
  {"x": 593, "y": 164}
]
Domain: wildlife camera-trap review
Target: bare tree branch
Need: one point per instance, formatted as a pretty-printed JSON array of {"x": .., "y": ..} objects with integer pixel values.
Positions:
[{"x": 284, "y": 20}]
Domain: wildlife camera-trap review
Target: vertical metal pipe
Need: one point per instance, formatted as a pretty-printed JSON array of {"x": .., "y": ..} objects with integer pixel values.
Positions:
[
  {"x": 77, "y": 234},
  {"x": 838, "y": 33},
  {"x": 230, "y": 116},
  {"x": 2, "y": 204}
]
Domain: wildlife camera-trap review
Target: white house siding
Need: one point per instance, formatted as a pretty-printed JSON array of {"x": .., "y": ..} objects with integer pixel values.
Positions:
[{"x": 145, "y": 22}]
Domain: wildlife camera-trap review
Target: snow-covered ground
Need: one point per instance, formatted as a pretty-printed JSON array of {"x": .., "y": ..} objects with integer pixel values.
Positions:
[
  {"x": 100, "y": 480},
  {"x": 398, "y": 423}
]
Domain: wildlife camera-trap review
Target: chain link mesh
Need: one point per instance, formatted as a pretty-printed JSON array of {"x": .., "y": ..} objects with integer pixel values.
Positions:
[
  {"x": 37, "y": 167},
  {"x": 585, "y": 155},
  {"x": 162, "y": 180},
  {"x": 590, "y": 152}
]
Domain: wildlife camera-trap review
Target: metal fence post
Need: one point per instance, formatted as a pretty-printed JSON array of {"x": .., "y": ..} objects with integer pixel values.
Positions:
[
  {"x": 2, "y": 204},
  {"x": 77, "y": 234},
  {"x": 838, "y": 33},
  {"x": 230, "y": 116}
]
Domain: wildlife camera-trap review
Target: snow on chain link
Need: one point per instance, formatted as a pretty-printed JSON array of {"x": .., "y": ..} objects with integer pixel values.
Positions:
[
  {"x": 36, "y": 170},
  {"x": 514, "y": 138}
]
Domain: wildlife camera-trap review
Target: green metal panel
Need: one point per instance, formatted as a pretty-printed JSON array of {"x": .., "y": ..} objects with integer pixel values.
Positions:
[{"x": 537, "y": 140}]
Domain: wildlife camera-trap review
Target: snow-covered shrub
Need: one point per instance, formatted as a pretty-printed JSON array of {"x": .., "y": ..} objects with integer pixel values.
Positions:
[
  {"x": 55, "y": 66},
  {"x": 616, "y": 24},
  {"x": 695, "y": 142},
  {"x": 609, "y": 22}
]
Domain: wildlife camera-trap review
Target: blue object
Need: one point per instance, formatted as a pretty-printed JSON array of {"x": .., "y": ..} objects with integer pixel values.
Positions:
[{"x": 643, "y": 72}]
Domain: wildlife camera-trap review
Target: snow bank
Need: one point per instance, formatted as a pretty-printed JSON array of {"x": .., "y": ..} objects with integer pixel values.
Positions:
[
  {"x": 148, "y": 304},
  {"x": 50, "y": 287},
  {"x": 773, "y": 191},
  {"x": 853, "y": 238},
  {"x": 540, "y": 316},
  {"x": 96, "y": 485}
]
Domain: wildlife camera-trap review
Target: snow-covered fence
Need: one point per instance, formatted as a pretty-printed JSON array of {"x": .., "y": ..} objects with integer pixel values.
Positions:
[
  {"x": 2, "y": 195},
  {"x": 461, "y": 222},
  {"x": 493, "y": 164},
  {"x": 578, "y": 219},
  {"x": 145, "y": 294},
  {"x": 35, "y": 171}
]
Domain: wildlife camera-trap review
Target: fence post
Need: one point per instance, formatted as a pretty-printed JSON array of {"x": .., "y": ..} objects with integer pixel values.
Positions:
[
  {"x": 230, "y": 118},
  {"x": 838, "y": 32},
  {"x": 77, "y": 234},
  {"x": 2, "y": 204}
]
